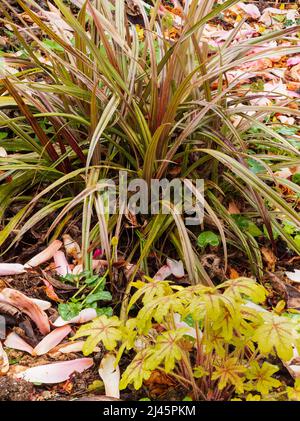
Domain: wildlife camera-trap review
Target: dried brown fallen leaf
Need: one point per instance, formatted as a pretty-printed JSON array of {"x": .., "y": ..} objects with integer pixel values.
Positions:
[
  {"x": 269, "y": 257},
  {"x": 72, "y": 247},
  {"x": 233, "y": 208},
  {"x": 233, "y": 273},
  {"x": 49, "y": 290},
  {"x": 56, "y": 283}
]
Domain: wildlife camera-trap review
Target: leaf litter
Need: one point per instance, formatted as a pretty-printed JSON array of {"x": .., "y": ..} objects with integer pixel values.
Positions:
[{"x": 280, "y": 76}]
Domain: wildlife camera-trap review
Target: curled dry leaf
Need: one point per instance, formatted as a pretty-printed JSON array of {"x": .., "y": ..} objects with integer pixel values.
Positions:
[
  {"x": 26, "y": 305},
  {"x": 56, "y": 372},
  {"x": 85, "y": 315},
  {"x": 4, "y": 363},
  {"x": 72, "y": 247},
  {"x": 233, "y": 208},
  {"x": 110, "y": 374},
  {"x": 56, "y": 22},
  {"x": 50, "y": 292},
  {"x": 44, "y": 255},
  {"x": 233, "y": 273},
  {"x": 56, "y": 283},
  {"x": 61, "y": 264},
  {"x": 51, "y": 340},
  {"x": 8, "y": 309},
  {"x": 11, "y": 269},
  {"x": 269, "y": 257},
  {"x": 129, "y": 270},
  {"x": 15, "y": 341}
]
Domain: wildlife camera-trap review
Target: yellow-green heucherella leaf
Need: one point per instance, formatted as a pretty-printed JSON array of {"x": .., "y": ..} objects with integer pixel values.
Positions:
[
  {"x": 136, "y": 372},
  {"x": 229, "y": 372},
  {"x": 157, "y": 309},
  {"x": 277, "y": 333},
  {"x": 294, "y": 392},
  {"x": 167, "y": 351},
  {"x": 149, "y": 290},
  {"x": 247, "y": 287},
  {"x": 102, "y": 329},
  {"x": 261, "y": 377}
]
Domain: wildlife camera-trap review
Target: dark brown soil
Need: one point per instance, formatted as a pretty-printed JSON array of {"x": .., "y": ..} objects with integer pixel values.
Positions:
[{"x": 15, "y": 390}]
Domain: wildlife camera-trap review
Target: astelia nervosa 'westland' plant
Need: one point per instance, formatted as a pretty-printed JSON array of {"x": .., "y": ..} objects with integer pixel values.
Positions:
[{"x": 92, "y": 95}]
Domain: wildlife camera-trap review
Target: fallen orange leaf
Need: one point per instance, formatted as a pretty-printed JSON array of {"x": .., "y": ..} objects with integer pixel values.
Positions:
[
  {"x": 233, "y": 274},
  {"x": 233, "y": 209}
]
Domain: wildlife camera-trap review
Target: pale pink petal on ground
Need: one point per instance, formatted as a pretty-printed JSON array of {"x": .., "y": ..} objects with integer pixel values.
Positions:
[
  {"x": 286, "y": 120},
  {"x": 110, "y": 374},
  {"x": 176, "y": 267},
  {"x": 55, "y": 373},
  {"x": 44, "y": 255},
  {"x": 3, "y": 153},
  {"x": 190, "y": 330},
  {"x": 294, "y": 276},
  {"x": 74, "y": 346},
  {"x": 43, "y": 304},
  {"x": 292, "y": 61},
  {"x": 51, "y": 340},
  {"x": 61, "y": 264},
  {"x": 261, "y": 101},
  {"x": 15, "y": 341},
  {"x": 283, "y": 173},
  {"x": 163, "y": 273},
  {"x": 27, "y": 306},
  {"x": 85, "y": 315},
  {"x": 250, "y": 9},
  {"x": 11, "y": 269}
]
